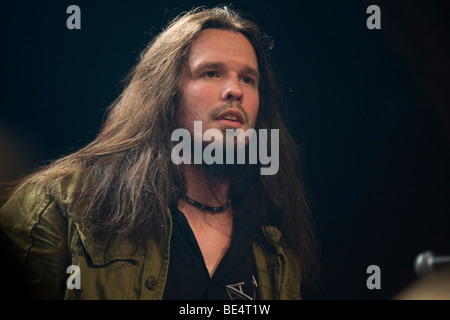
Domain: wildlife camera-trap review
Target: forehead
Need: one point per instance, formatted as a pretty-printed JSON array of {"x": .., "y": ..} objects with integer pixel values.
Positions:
[{"x": 228, "y": 47}]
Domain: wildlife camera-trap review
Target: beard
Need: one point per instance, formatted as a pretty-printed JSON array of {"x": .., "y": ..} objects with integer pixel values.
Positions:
[
  {"x": 243, "y": 179},
  {"x": 220, "y": 172},
  {"x": 238, "y": 175}
]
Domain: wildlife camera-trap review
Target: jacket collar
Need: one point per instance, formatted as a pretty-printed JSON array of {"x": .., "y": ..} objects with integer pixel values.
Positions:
[{"x": 121, "y": 248}]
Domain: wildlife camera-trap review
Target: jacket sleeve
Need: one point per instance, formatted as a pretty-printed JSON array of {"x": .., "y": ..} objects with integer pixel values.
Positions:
[{"x": 34, "y": 234}]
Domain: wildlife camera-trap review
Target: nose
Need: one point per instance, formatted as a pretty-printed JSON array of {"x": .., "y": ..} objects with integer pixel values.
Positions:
[{"x": 232, "y": 91}]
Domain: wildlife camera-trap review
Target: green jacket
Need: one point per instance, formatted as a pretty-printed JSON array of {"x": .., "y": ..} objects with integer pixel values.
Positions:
[{"x": 45, "y": 240}]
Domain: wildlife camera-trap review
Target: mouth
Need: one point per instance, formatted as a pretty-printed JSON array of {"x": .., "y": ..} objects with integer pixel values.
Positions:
[{"x": 231, "y": 118}]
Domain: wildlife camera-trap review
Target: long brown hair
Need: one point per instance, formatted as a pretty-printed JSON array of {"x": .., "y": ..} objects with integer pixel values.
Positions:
[{"x": 126, "y": 176}]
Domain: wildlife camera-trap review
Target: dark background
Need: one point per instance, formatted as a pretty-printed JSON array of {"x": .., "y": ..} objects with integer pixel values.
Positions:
[{"x": 370, "y": 109}]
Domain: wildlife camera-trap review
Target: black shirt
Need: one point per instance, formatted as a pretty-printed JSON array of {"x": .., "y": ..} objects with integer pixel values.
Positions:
[{"x": 188, "y": 278}]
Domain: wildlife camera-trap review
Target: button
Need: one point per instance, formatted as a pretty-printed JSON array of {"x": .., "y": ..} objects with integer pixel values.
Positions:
[{"x": 151, "y": 283}]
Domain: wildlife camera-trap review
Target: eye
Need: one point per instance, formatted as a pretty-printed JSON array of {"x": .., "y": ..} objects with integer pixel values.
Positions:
[
  {"x": 211, "y": 74},
  {"x": 248, "y": 80}
]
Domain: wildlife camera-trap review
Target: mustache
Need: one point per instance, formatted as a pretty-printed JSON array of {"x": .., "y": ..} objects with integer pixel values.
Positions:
[{"x": 215, "y": 112}]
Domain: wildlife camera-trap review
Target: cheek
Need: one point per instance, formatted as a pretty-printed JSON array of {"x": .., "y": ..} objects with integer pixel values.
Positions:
[
  {"x": 198, "y": 97},
  {"x": 253, "y": 108},
  {"x": 194, "y": 101},
  {"x": 203, "y": 90}
]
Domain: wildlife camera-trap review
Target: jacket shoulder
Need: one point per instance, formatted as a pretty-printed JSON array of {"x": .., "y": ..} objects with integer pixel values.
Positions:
[
  {"x": 35, "y": 194},
  {"x": 34, "y": 233}
]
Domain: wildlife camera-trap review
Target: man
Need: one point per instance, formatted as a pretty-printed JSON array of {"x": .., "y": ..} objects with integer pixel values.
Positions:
[{"x": 119, "y": 219}]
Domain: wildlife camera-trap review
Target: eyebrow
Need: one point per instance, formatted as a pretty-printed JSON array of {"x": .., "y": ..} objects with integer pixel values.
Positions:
[{"x": 219, "y": 65}]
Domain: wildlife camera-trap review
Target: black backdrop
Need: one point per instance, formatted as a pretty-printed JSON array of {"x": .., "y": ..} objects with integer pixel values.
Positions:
[{"x": 370, "y": 109}]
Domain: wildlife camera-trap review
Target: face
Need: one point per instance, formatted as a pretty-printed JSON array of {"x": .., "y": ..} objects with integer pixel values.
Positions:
[{"x": 219, "y": 85}]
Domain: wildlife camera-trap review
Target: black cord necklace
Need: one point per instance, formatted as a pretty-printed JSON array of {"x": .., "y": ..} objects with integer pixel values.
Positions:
[{"x": 208, "y": 208}]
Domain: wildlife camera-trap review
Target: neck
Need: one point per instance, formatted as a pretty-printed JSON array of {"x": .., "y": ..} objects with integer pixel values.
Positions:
[
  {"x": 213, "y": 231},
  {"x": 205, "y": 188},
  {"x": 211, "y": 192}
]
